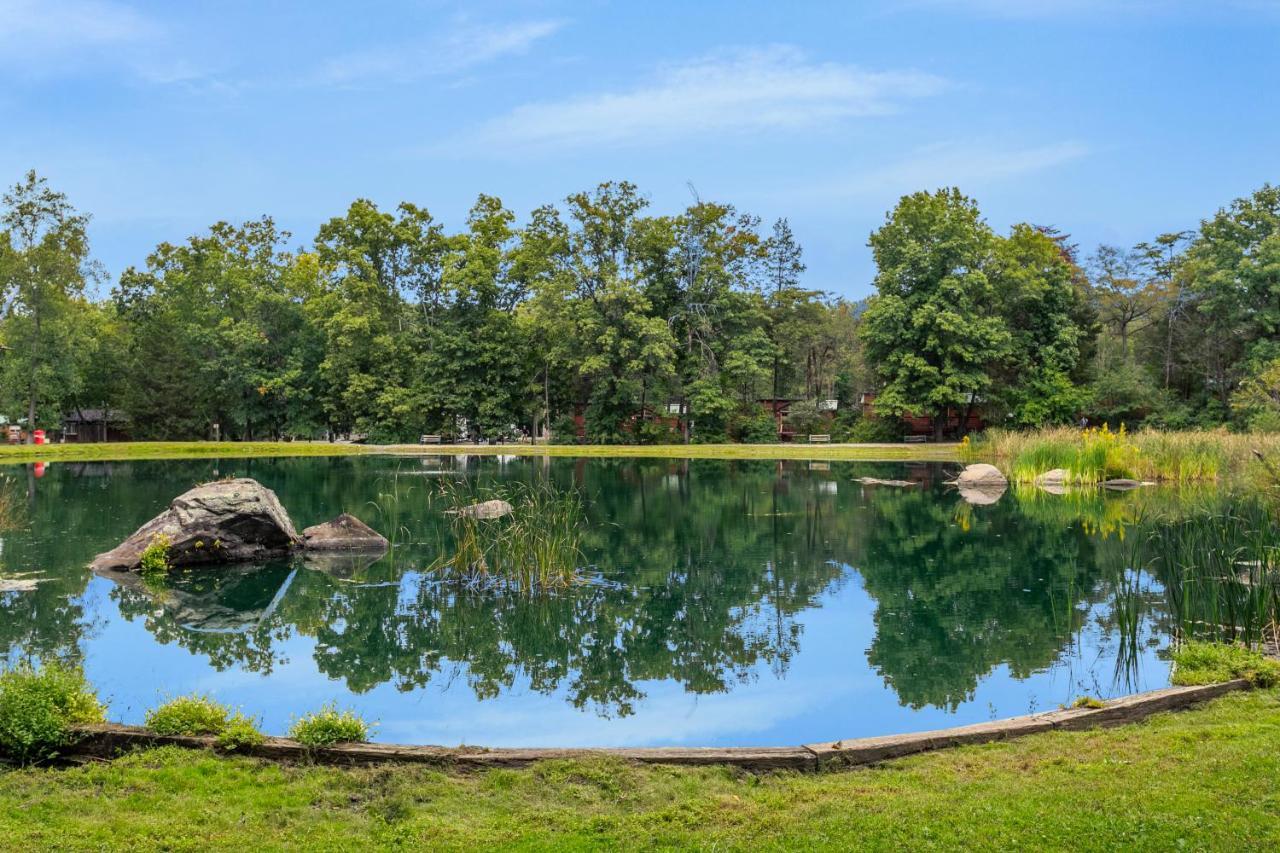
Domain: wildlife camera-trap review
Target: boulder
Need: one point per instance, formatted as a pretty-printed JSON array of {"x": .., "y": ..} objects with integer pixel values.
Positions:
[
  {"x": 1054, "y": 477},
  {"x": 983, "y": 494},
  {"x": 484, "y": 510},
  {"x": 344, "y": 533},
  {"x": 1121, "y": 485},
  {"x": 229, "y": 521},
  {"x": 981, "y": 475}
]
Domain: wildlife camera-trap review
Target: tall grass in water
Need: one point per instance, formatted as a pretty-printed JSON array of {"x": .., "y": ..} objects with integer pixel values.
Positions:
[
  {"x": 536, "y": 547},
  {"x": 1094, "y": 455},
  {"x": 12, "y": 507},
  {"x": 1221, "y": 574}
]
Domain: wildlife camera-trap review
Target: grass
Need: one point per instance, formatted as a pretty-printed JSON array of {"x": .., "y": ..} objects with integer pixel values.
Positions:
[
  {"x": 536, "y": 548},
  {"x": 1196, "y": 779},
  {"x": 124, "y": 451},
  {"x": 1211, "y": 663},
  {"x": 329, "y": 726},
  {"x": 1093, "y": 455}
]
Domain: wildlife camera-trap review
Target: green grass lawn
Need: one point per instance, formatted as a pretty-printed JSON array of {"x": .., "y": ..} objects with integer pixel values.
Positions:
[
  {"x": 235, "y": 449},
  {"x": 1200, "y": 779}
]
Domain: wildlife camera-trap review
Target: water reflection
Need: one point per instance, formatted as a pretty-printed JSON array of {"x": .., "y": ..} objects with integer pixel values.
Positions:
[{"x": 707, "y": 572}]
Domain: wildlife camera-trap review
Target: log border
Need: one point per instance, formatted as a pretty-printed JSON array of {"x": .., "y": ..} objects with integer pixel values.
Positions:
[{"x": 109, "y": 740}]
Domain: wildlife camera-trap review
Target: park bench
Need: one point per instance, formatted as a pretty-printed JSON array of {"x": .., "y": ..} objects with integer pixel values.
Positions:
[
  {"x": 915, "y": 439},
  {"x": 429, "y": 439},
  {"x": 819, "y": 439}
]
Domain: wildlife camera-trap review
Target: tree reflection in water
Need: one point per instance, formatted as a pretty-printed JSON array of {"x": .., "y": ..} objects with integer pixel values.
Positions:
[{"x": 703, "y": 572}]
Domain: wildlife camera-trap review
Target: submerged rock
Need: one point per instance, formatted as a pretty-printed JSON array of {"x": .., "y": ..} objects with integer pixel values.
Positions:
[
  {"x": 875, "y": 481},
  {"x": 230, "y": 521},
  {"x": 1121, "y": 485},
  {"x": 484, "y": 510},
  {"x": 983, "y": 494},
  {"x": 344, "y": 533}
]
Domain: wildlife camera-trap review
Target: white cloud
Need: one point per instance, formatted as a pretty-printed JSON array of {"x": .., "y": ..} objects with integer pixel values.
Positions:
[
  {"x": 949, "y": 164},
  {"x": 1032, "y": 9},
  {"x": 29, "y": 27},
  {"x": 775, "y": 88},
  {"x": 462, "y": 49}
]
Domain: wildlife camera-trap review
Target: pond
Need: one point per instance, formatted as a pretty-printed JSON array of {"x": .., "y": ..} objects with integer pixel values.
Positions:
[{"x": 728, "y": 603}]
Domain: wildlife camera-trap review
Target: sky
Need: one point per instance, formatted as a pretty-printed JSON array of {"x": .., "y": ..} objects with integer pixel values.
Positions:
[{"x": 1113, "y": 121}]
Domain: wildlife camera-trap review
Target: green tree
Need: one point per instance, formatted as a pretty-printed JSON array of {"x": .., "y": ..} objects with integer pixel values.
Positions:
[
  {"x": 44, "y": 268},
  {"x": 930, "y": 331}
]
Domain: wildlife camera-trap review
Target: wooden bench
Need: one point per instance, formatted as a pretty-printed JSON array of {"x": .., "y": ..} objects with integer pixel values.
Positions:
[
  {"x": 915, "y": 439},
  {"x": 429, "y": 439},
  {"x": 819, "y": 439}
]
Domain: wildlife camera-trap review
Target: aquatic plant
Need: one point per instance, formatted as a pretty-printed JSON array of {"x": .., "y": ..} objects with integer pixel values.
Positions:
[
  {"x": 537, "y": 546},
  {"x": 1221, "y": 573},
  {"x": 38, "y": 707},
  {"x": 329, "y": 726},
  {"x": 1210, "y": 663},
  {"x": 1093, "y": 455},
  {"x": 12, "y": 508}
]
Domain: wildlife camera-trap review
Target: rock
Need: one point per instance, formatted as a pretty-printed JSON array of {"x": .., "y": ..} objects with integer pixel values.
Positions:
[
  {"x": 229, "y": 521},
  {"x": 873, "y": 481},
  {"x": 484, "y": 510},
  {"x": 1121, "y": 485},
  {"x": 1054, "y": 477},
  {"x": 19, "y": 584},
  {"x": 981, "y": 475},
  {"x": 344, "y": 533}
]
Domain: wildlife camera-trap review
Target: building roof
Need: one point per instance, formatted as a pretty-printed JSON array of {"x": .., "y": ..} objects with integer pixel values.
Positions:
[{"x": 94, "y": 416}]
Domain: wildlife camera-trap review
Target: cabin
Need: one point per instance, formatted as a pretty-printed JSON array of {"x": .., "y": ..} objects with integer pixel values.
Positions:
[
  {"x": 86, "y": 426},
  {"x": 922, "y": 425}
]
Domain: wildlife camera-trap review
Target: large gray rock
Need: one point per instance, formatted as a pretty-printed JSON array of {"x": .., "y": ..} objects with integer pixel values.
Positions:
[
  {"x": 981, "y": 475},
  {"x": 484, "y": 510},
  {"x": 344, "y": 533},
  {"x": 229, "y": 521}
]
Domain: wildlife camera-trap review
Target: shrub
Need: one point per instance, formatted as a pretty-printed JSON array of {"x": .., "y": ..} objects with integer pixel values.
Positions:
[
  {"x": 1088, "y": 702},
  {"x": 656, "y": 432},
  {"x": 188, "y": 715},
  {"x": 329, "y": 726},
  {"x": 240, "y": 732},
  {"x": 758, "y": 429},
  {"x": 38, "y": 708},
  {"x": 155, "y": 557},
  {"x": 877, "y": 430},
  {"x": 564, "y": 430},
  {"x": 1210, "y": 663}
]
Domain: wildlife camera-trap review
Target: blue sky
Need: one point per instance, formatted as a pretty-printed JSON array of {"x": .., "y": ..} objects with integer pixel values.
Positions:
[{"x": 1114, "y": 121}]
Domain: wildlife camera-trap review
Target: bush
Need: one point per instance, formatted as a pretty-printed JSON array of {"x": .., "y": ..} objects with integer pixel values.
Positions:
[
  {"x": 329, "y": 726},
  {"x": 1197, "y": 662},
  {"x": 155, "y": 557},
  {"x": 240, "y": 732},
  {"x": 564, "y": 430},
  {"x": 188, "y": 715},
  {"x": 758, "y": 429},
  {"x": 38, "y": 708},
  {"x": 656, "y": 432},
  {"x": 877, "y": 430}
]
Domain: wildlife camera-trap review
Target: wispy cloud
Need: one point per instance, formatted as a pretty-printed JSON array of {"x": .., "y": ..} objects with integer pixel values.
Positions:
[
  {"x": 31, "y": 27},
  {"x": 949, "y": 164},
  {"x": 756, "y": 90},
  {"x": 458, "y": 51},
  {"x": 1033, "y": 9}
]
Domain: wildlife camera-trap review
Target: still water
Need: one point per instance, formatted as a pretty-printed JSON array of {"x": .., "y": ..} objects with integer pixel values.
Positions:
[{"x": 730, "y": 603}]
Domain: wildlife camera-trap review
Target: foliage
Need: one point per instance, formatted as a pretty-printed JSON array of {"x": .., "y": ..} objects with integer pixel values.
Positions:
[
  {"x": 188, "y": 715},
  {"x": 240, "y": 732},
  {"x": 1211, "y": 663},
  {"x": 329, "y": 726},
  {"x": 154, "y": 559},
  {"x": 39, "y": 706},
  {"x": 1258, "y": 400},
  {"x": 758, "y": 429},
  {"x": 1088, "y": 702},
  {"x": 875, "y": 430}
]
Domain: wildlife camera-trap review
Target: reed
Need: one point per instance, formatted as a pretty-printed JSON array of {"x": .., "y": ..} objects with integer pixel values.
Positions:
[
  {"x": 12, "y": 507},
  {"x": 1096, "y": 454},
  {"x": 537, "y": 547}
]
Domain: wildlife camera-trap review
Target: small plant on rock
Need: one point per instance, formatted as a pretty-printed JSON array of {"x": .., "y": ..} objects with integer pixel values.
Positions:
[
  {"x": 154, "y": 560},
  {"x": 329, "y": 726},
  {"x": 188, "y": 715},
  {"x": 1197, "y": 662},
  {"x": 240, "y": 732},
  {"x": 38, "y": 707}
]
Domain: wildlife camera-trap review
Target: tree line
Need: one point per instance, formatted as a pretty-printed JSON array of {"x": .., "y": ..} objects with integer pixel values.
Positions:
[{"x": 390, "y": 325}]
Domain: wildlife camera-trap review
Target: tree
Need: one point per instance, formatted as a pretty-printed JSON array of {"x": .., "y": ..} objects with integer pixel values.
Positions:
[
  {"x": 931, "y": 331},
  {"x": 44, "y": 267}
]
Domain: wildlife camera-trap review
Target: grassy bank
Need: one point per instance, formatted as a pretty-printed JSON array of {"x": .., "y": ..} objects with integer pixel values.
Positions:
[
  {"x": 123, "y": 451},
  {"x": 1197, "y": 779},
  {"x": 1093, "y": 455}
]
